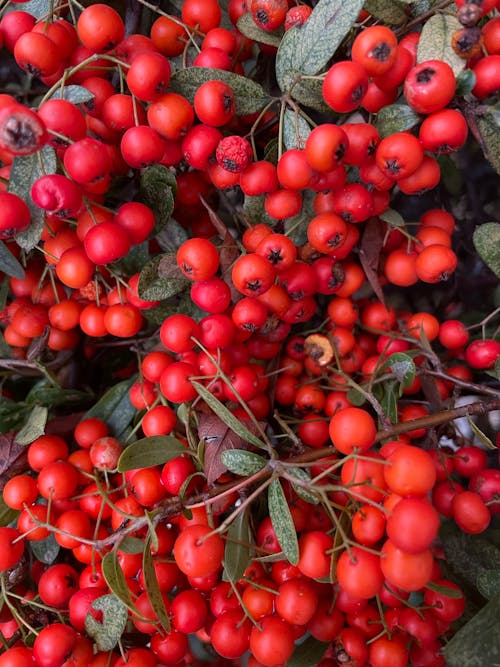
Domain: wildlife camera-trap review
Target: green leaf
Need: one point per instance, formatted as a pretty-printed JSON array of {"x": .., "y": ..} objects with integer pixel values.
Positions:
[
  {"x": 9, "y": 264},
  {"x": 115, "y": 579},
  {"x": 148, "y": 452},
  {"x": 392, "y": 218},
  {"x": 388, "y": 11},
  {"x": 153, "y": 287},
  {"x": 444, "y": 590},
  {"x": 488, "y": 126},
  {"x": 114, "y": 619},
  {"x": 451, "y": 175},
  {"x": 402, "y": 367},
  {"x": 227, "y": 416},
  {"x": 253, "y": 208},
  {"x": 53, "y": 396},
  {"x": 46, "y": 550},
  {"x": 308, "y": 653},
  {"x": 131, "y": 545},
  {"x": 249, "y": 96},
  {"x": 134, "y": 261},
  {"x": 34, "y": 427},
  {"x": 396, "y": 118},
  {"x": 486, "y": 241},
  {"x": 12, "y": 415},
  {"x": 7, "y": 514},
  {"x": 115, "y": 407},
  {"x": 477, "y": 643},
  {"x": 236, "y": 553},
  {"x": 355, "y": 397},
  {"x": 309, "y": 92},
  {"x": 435, "y": 41},
  {"x": 303, "y": 491},
  {"x": 157, "y": 190},
  {"x": 25, "y": 170},
  {"x": 466, "y": 81},
  {"x": 247, "y": 26},
  {"x": 38, "y": 8},
  {"x": 488, "y": 583},
  {"x": 388, "y": 395},
  {"x": 74, "y": 94},
  {"x": 242, "y": 462},
  {"x": 295, "y": 129},
  {"x": 152, "y": 587},
  {"x": 282, "y": 521},
  {"x": 308, "y": 49}
]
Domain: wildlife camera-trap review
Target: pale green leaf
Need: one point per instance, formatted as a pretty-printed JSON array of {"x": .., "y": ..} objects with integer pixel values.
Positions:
[
  {"x": 34, "y": 427},
  {"x": 242, "y": 462},
  {"x": 488, "y": 127},
  {"x": 47, "y": 550},
  {"x": 393, "y": 12},
  {"x": 396, "y": 118},
  {"x": 295, "y": 129},
  {"x": 72, "y": 93},
  {"x": 281, "y": 518},
  {"x": 249, "y": 96},
  {"x": 247, "y": 26},
  {"x": 486, "y": 240},
  {"x": 435, "y": 41}
]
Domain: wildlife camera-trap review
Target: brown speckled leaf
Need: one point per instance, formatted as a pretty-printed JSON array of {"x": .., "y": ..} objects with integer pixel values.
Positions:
[
  {"x": 13, "y": 458},
  {"x": 369, "y": 254},
  {"x": 219, "y": 438}
]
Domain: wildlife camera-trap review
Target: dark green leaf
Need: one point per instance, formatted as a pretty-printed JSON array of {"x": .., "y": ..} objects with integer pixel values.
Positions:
[
  {"x": 12, "y": 415},
  {"x": 152, "y": 587},
  {"x": 444, "y": 590},
  {"x": 396, "y": 118},
  {"x": 247, "y": 26},
  {"x": 295, "y": 130},
  {"x": 38, "y": 8},
  {"x": 451, "y": 175},
  {"x": 388, "y": 11},
  {"x": 149, "y": 452},
  {"x": 466, "y": 81},
  {"x": 160, "y": 313},
  {"x": 477, "y": 644},
  {"x": 309, "y": 49},
  {"x": 34, "y": 427},
  {"x": 74, "y": 94},
  {"x": 25, "y": 170},
  {"x": 435, "y": 41},
  {"x": 157, "y": 190},
  {"x": 308, "y": 653},
  {"x": 131, "y": 545},
  {"x": 53, "y": 396},
  {"x": 488, "y": 126},
  {"x": 227, "y": 416},
  {"x": 154, "y": 287},
  {"x": 282, "y": 521},
  {"x": 486, "y": 240},
  {"x": 242, "y": 462},
  {"x": 114, "y": 619},
  {"x": 115, "y": 407},
  {"x": 305, "y": 492},
  {"x": 134, "y": 261},
  {"x": 9, "y": 264},
  {"x": 237, "y": 553},
  {"x": 7, "y": 514},
  {"x": 46, "y": 550},
  {"x": 488, "y": 583},
  {"x": 115, "y": 579},
  {"x": 249, "y": 96},
  {"x": 402, "y": 367},
  {"x": 355, "y": 397}
]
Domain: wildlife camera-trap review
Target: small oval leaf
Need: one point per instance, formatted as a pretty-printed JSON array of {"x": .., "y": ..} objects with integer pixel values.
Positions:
[
  {"x": 402, "y": 367},
  {"x": 282, "y": 521},
  {"x": 148, "y": 452},
  {"x": 304, "y": 490},
  {"x": 34, "y": 427},
  {"x": 486, "y": 240},
  {"x": 152, "y": 587},
  {"x": 295, "y": 129},
  {"x": 247, "y": 26},
  {"x": 74, "y": 94},
  {"x": 114, "y": 619},
  {"x": 396, "y": 118},
  {"x": 242, "y": 462},
  {"x": 435, "y": 41}
]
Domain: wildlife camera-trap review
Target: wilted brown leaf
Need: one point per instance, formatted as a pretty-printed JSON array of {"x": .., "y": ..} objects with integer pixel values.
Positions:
[
  {"x": 369, "y": 254},
  {"x": 13, "y": 458},
  {"x": 218, "y": 438}
]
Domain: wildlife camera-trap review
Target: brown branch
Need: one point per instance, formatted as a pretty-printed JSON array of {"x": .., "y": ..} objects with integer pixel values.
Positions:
[{"x": 423, "y": 17}]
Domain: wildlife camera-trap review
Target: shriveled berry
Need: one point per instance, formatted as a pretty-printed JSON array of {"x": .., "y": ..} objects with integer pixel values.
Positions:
[{"x": 234, "y": 154}]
